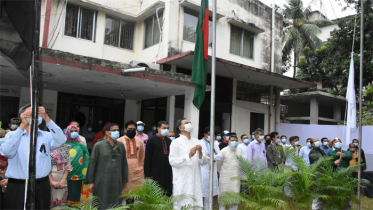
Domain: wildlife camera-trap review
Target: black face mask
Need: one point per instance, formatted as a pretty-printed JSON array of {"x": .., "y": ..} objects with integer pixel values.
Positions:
[
  {"x": 268, "y": 141},
  {"x": 131, "y": 133}
]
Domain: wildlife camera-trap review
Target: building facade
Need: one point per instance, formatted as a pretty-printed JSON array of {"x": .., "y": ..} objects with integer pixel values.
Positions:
[{"x": 86, "y": 46}]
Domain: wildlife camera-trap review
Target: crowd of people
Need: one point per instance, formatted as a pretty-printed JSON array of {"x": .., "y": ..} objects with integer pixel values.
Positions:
[{"x": 71, "y": 166}]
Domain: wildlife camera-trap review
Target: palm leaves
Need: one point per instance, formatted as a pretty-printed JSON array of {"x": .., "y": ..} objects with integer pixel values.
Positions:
[
  {"x": 265, "y": 188},
  {"x": 299, "y": 30}
]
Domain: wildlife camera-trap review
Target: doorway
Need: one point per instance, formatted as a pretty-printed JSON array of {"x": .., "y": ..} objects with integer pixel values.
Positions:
[{"x": 256, "y": 121}]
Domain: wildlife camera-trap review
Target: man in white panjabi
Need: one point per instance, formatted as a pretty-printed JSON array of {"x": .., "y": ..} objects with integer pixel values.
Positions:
[
  {"x": 186, "y": 157},
  {"x": 230, "y": 168},
  {"x": 205, "y": 169}
]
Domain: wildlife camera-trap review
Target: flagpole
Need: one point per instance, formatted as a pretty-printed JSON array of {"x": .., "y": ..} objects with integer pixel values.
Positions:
[
  {"x": 360, "y": 98},
  {"x": 212, "y": 113},
  {"x": 34, "y": 105}
]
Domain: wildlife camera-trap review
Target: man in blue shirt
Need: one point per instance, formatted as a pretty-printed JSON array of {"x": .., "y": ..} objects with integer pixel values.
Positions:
[
  {"x": 305, "y": 151},
  {"x": 16, "y": 149},
  {"x": 325, "y": 145}
]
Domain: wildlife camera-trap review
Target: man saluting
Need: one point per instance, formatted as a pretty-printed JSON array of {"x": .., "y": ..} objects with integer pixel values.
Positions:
[{"x": 16, "y": 149}]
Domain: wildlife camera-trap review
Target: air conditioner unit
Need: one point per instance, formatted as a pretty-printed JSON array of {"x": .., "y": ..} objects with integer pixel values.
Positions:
[
  {"x": 145, "y": 64},
  {"x": 284, "y": 109}
]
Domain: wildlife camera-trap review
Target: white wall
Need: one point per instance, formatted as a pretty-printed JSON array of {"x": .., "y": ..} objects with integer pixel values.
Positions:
[{"x": 325, "y": 32}]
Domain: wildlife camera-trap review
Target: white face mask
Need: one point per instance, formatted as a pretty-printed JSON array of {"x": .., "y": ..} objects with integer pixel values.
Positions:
[{"x": 188, "y": 127}]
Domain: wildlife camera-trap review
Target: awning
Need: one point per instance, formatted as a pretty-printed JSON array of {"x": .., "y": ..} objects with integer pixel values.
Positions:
[
  {"x": 241, "y": 72},
  {"x": 245, "y": 25}
]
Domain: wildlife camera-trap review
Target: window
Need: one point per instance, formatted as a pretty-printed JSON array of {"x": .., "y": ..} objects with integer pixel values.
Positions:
[
  {"x": 152, "y": 32},
  {"x": 190, "y": 26},
  {"x": 80, "y": 22},
  {"x": 242, "y": 42},
  {"x": 254, "y": 93},
  {"x": 119, "y": 33}
]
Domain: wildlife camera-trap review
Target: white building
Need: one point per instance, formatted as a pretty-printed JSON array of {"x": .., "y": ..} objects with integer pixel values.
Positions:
[{"x": 86, "y": 45}]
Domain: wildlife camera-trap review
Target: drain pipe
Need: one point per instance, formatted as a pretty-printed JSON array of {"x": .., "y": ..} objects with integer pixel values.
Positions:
[{"x": 160, "y": 34}]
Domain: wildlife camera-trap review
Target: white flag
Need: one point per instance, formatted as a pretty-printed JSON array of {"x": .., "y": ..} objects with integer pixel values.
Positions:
[{"x": 351, "y": 99}]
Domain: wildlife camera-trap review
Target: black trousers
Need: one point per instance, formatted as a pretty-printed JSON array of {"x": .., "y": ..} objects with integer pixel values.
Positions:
[{"x": 15, "y": 192}]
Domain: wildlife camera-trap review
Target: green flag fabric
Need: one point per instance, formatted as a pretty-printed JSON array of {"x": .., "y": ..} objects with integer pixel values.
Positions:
[{"x": 200, "y": 59}]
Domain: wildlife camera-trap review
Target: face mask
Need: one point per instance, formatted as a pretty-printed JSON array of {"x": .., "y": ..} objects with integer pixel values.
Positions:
[
  {"x": 309, "y": 144},
  {"x": 13, "y": 127},
  {"x": 338, "y": 145},
  {"x": 227, "y": 138},
  {"x": 318, "y": 144},
  {"x": 261, "y": 138},
  {"x": 74, "y": 135},
  {"x": 188, "y": 127},
  {"x": 352, "y": 149},
  {"x": 296, "y": 144},
  {"x": 278, "y": 141},
  {"x": 40, "y": 120},
  {"x": 131, "y": 133},
  {"x": 283, "y": 140},
  {"x": 246, "y": 141},
  {"x": 172, "y": 138},
  {"x": 89, "y": 129},
  {"x": 154, "y": 128},
  {"x": 268, "y": 141},
  {"x": 218, "y": 138},
  {"x": 64, "y": 130},
  {"x": 326, "y": 144},
  {"x": 234, "y": 144},
  {"x": 356, "y": 144},
  {"x": 140, "y": 128},
  {"x": 208, "y": 138},
  {"x": 164, "y": 132},
  {"x": 100, "y": 122},
  {"x": 114, "y": 135},
  {"x": 253, "y": 137}
]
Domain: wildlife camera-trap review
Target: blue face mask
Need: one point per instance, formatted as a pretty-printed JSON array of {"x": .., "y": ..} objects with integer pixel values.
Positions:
[
  {"x": 140, "y": 128},
  {"x": 172, "y": 138},
  {"x": 356, "y": 144},
  {"x": 296, "y": 144},
  {"x": 326, "y": 143},
  {"x": 64, "y": 130},
  {"x": 40, "y": 120},
  {"x": 114, "y": 135},
  {"x": 74, "y": 135},
  {"x": 89, "y": 129},
  {"x": 234, "y": 144},
  {"x": 283, "y": 140},
  {"x": 338, "y": 145},
  {"x": 13, "y": 127},
  {"x": 227, "y": 138},
  {"x": 318, "y": 144},
  {"x": 246, "y": 141},
  {"x": 309, "y": 144},
  {"x": 253, "y": 137},
  {"x": 218, "y": 138},
  {"x": 278, "y": 141},
  {"x": 261, "y": 138},
  {"x": 164, "y": 132}
]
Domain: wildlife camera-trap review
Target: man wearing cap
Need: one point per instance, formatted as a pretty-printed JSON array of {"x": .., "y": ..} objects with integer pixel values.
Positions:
[
  {"x": 13, "y": 124},
  {"x": 224, "y": 141},
  {"x": 140, "y": 133}
]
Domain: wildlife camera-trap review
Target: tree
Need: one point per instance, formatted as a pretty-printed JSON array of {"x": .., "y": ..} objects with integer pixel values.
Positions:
[
  {"x": 331, "y": 62},
  {"x": 299, "y": 30}
]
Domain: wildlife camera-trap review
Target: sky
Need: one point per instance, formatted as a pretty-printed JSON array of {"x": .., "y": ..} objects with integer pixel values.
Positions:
[{"x": 330, "y": 9}]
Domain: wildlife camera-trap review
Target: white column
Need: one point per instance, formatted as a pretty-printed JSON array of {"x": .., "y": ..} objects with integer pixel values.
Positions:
[
  {"x": 234, "y": 107},
  {"x": 191, "y": 112},
  {"x": 132, "y": 110},
  {"x": 314, "y": 111},
  {"x": 170, "y": 115}
]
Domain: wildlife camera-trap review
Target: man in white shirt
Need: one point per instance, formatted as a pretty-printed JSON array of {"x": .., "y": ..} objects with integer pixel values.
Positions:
[
  {"x": 243, "y": 147},
  {"x": 186, "y": 157},
  {"x": 205, "y": 143}
]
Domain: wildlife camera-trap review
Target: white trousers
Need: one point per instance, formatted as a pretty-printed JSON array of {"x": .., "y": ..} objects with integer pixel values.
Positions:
[{"x": 206, "y": 203}]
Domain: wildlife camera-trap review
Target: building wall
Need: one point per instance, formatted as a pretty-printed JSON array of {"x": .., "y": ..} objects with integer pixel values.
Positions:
[
  {"x": 172, "y": 42},
  {"x": 325, "y": 32}
]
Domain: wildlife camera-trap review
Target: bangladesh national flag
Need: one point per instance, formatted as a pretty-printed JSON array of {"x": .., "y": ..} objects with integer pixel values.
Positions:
[{"x": 199, "y": 69}]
